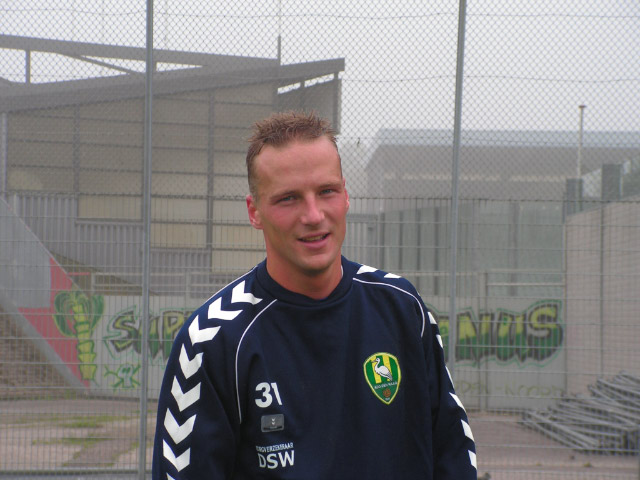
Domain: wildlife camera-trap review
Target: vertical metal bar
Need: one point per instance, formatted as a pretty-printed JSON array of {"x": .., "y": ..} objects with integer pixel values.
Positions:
[
  {"x": 75, "y": 152},
  {"x": 565, "y": 281},
  {"x": 462, "y": 14},
  {"x": 210, "y": 172},
  {"x": 514, "y": 210},
  {"x": 27, "y": 66},
  {"x": 146, "y": 243},
  {"x": 382, "y": 221},
  {"x": 279, "y": 46},
  {"x": 420, "y": 284},
  {"x": 602, "y": 286},
  {"x": 436, "y": 251},
  {"x": 336, "y": 102},
  {"x": 579, "y": 188},
  {"x": 401, "y": 246},
  {"x": 4, "y": 154},
  {"x": 580, "y": 127}
]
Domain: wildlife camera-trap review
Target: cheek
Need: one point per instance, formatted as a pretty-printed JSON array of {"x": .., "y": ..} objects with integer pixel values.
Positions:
[
  {"x": 281, "y": 219},
  {"x": 339, "y": 210}
]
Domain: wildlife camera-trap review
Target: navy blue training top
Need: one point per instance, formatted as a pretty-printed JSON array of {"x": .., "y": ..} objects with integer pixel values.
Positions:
[{"x": 266, "y": 383}]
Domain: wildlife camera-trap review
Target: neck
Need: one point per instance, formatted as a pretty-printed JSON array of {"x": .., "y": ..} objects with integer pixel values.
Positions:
[{"x": 316, "y": 285}]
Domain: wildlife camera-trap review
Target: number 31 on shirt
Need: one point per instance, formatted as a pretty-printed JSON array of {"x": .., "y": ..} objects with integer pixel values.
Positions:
[{"x": 267, "y": 398}]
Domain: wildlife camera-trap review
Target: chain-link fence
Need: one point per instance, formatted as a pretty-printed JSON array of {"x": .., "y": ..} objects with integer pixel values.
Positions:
[{"x": 546, "y": 168}]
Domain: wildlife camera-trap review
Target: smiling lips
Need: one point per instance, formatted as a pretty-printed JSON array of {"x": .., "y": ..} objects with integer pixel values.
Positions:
[{"x": 315, "y": 238}]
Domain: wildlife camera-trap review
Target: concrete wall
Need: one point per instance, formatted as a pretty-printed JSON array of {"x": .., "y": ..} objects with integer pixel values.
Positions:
[{"x": 603, "y": 292}]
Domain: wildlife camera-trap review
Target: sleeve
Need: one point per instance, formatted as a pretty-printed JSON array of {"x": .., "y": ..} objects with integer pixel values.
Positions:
[
  {"x": 195, "y": 437},
  {"x": 454, "y": 452}
]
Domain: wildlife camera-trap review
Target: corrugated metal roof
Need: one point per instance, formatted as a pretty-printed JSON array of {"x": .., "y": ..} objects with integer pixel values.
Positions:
[{"x": 209, "y": 71}]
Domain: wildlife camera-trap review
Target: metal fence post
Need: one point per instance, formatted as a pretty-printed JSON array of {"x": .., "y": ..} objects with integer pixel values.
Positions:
[
  {"x": 146, "y": 243},
  {"x": 454, "y": 187}
]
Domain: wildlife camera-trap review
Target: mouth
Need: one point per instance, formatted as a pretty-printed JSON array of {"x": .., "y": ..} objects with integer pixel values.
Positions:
[{"x": 315, "y": 238}]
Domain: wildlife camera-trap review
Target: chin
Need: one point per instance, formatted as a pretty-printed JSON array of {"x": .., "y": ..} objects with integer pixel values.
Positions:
[{"x": 317, "y": 266}]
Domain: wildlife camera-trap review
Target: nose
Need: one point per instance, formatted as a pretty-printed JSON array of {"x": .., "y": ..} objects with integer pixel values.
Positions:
[{"x": 312, "y": 214}]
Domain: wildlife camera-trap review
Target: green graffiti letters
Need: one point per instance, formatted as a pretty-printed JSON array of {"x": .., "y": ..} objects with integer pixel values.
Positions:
[
  {"x": 533, "y": 335},
  {"x": 76, "y": 315},
  {"x": 126, "y": 323},
  {"x": 125, "y": 376},
  {"x": 124, "y": 329}
]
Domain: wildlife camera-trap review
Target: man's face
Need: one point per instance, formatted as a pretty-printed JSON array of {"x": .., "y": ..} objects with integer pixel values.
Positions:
[{"x": 301, "y": 207}]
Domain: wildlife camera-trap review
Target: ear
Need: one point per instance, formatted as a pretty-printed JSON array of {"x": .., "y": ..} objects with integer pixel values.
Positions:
[{"x": 254, "y": 214}]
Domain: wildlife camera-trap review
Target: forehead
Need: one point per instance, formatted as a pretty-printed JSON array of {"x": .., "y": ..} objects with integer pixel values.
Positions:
[{"x": 318, "y": 155}]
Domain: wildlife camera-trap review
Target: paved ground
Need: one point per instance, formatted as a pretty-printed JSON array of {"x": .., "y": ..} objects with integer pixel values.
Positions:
[
  {"x": 70, "y": 435},
  {"x": 68, "y": 438},
  {"x": 507, "y": 450}
]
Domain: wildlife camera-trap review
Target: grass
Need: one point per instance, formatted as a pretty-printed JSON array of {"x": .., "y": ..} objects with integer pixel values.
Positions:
[
  {"x": 70, "y": 441},
  {"x": 93, "y": 421},
  {"x": 77, "y": 421}
]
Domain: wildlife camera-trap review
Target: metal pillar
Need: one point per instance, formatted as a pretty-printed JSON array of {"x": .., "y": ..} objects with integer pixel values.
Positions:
[
  {"x": 453, "y": 328},
  {"x": 580, "y": 130},
  {"x": 4, "y": 154},
  {"x": 146, "y": 244}
]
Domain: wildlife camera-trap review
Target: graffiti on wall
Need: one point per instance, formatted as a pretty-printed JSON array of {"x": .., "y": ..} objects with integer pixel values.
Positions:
[
  {"x": 68, "y": 319},
  {"x": 124, "y": 377},
  {"x": 533, "y": 335},
  {"x": 530, "y": 337},
  {"x": 124, "y": 337},
  {"x": 124, "y": 334},
  {"x": 76, "y": 316}
]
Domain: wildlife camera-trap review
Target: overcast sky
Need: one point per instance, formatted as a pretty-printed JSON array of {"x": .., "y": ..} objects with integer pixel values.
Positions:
[{"x": 528, "y": 65}]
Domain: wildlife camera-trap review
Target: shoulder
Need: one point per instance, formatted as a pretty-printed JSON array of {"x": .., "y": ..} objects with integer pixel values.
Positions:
[
  {"x": 227, "y": 313},
  {"x": 374, "y": 279},
  {"x": 367, "y": 275},
  {"x": 389, "y": 290}
]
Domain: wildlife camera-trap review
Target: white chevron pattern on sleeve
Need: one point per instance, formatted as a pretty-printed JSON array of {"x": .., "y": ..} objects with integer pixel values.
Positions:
[
  {"x": 366, "y": 269},
  {"x": 190, "y": 366},
  {"x": 178, "y": 462},
  {"x": 467, "y": 430},
  {"x": 450, "y": 377},
  {"x": 457, "y": 400},
  {"x": 197, "y": 335},
  {"x": 178, "y": 432},
  {"x": 472, "y": 459},
  {"x": 215, "y": 311},
  {"x": 238, "y": 295},
  {"x": 184, "y": 399},
  {"x": 187, "y": 365}
]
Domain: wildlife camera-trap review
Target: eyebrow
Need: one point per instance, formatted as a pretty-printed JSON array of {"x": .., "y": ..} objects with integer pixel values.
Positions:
[{"x": 285, "y": 193}]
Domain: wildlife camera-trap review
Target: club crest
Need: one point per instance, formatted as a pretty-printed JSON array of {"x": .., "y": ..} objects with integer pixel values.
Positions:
[{"x": 382, "y": 373}]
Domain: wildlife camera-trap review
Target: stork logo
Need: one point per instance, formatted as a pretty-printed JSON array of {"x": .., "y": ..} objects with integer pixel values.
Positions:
[{"x": 382, "y": 373}]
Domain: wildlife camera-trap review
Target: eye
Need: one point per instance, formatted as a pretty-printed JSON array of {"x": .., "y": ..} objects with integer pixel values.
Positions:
[{"x": 286, "y": 199}]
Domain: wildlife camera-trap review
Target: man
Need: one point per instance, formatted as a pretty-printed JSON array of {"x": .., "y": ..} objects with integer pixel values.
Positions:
[{"x": 309, "y": 366}]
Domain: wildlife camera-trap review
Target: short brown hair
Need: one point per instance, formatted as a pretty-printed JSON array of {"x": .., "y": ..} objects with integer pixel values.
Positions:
[{"x": 279, "y": 129}]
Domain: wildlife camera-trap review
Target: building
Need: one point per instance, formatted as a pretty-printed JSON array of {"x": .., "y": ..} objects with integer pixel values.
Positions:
[
  {"x": 71, "y": 153},
  {"x": 512, "y": 190}
]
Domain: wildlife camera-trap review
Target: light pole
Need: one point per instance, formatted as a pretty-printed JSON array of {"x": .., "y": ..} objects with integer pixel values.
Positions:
[{"x": 580, "y": 128}]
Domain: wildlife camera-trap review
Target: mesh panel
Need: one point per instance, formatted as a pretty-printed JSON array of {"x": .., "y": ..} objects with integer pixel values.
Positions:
[{"x": 545, "y": 356}]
